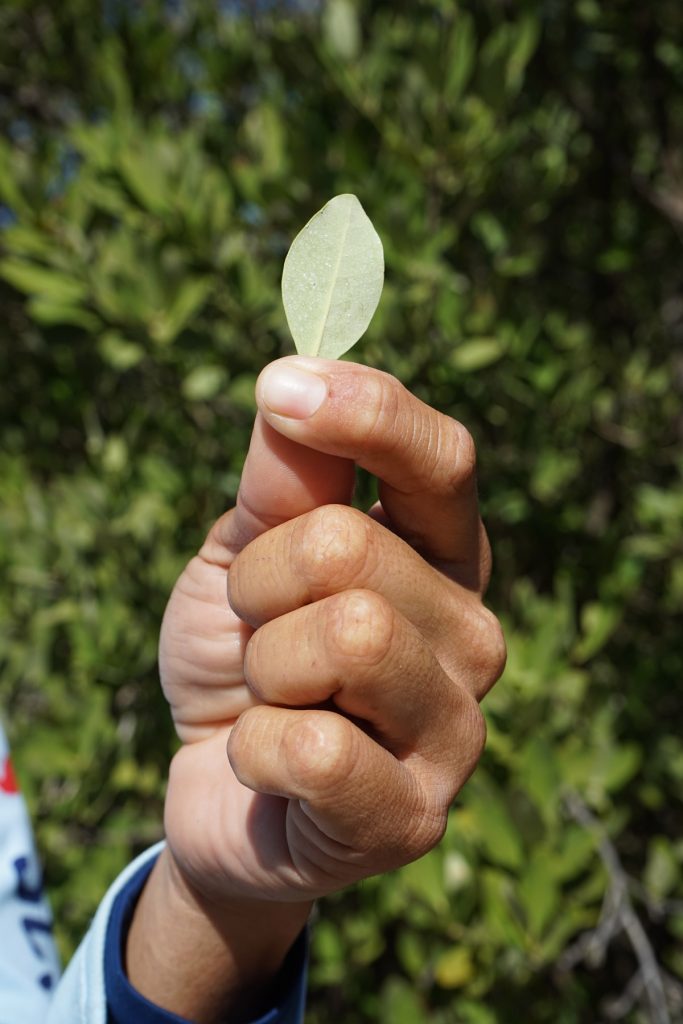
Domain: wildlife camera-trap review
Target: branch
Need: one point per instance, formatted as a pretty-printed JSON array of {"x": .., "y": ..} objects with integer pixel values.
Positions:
[{"x": 618, "y": 915}]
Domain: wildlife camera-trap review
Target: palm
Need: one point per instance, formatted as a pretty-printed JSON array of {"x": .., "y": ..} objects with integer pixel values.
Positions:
[
  {"x": 223, "y": 831},
  {"x": 201, "y": 654}
]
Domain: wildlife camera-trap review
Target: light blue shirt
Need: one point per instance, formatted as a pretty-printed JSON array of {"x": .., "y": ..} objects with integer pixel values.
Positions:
[
  {"x": 29, "y": 966},
  {"x": 31, "y": 990}
]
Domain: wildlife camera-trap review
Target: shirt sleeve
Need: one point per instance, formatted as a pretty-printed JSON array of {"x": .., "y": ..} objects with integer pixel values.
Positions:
[
  {"x": 29, "y": 966},
  {"x": 126, "y": 1006}
]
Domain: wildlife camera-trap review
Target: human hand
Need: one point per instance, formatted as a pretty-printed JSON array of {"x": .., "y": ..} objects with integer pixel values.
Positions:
[
  {"x": 365, "y": 637},
  {"x": 340, "y": 657}
]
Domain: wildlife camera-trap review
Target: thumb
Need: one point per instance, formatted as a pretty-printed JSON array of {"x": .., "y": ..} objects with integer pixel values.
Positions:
[{"x": 281, "y": 479}]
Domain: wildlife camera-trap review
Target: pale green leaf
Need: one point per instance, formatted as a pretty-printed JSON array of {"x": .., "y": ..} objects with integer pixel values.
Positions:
[
  {"x": 476, "y": 353},
  {"x": 119, "y": 352},
  {"x": 332, "y": 279},
  {"x": 204, "y": 382},
  {"x": 341, "y": 28}
]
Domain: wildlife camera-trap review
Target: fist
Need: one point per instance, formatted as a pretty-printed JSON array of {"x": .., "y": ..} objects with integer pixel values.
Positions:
[{"x": 338, "y": 656}]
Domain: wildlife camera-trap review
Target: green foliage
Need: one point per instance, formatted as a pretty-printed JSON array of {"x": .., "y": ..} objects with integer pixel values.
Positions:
[{"x": 520, "y": 164}]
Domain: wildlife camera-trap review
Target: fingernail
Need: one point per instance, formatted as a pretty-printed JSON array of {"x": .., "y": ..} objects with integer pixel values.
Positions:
[{"x": 292, "y": 392}]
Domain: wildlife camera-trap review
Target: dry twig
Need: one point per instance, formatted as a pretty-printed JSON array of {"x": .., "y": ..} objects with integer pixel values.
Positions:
[{"x": 619, "y": 916}]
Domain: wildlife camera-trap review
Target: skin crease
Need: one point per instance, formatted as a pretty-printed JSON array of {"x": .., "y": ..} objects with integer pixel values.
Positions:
[{"x": 339, "y": 658}]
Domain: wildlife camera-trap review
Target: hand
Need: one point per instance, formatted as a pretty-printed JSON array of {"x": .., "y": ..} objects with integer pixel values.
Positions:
[
  {"x": 378, "y": 618},
  {"x": 339, "y": 656}
]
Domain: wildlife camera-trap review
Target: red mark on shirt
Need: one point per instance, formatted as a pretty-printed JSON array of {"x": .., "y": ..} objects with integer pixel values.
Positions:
[{"x": 8, "y": 780}]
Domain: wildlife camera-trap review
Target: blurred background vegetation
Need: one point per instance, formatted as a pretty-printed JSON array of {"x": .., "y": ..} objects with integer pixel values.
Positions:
[{"x": 522, "y": 163}]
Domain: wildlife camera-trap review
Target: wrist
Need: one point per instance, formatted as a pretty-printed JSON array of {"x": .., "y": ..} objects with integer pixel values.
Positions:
[{"x": 204, "y": 959}]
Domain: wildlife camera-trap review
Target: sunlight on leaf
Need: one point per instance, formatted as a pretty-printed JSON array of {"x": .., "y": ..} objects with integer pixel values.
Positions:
[{"x": 332, "y": 279}]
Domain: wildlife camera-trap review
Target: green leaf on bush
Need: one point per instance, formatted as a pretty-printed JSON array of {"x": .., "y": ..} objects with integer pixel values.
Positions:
[
  {"x": 145, "y": 178},
  {"x": 47, "y": 311},
  {"x": 332, "y": 279},
  {"x": 461, "y": 54},
  {"x": 663, "y": 869},
  {"x": 400, "y": 1003},
  {"x": 341, "y": 29},
  {"x": 495, "y": 829},
  {"x": 187, "y": 302},
  {"x": 424, "y": 879},
  {"x": 476, "y": 354},
  {"x": 598, "y": 622},
  {"x": 454, "y": 968},
  {"x": 538, "y": 893},
  {"x": 204, "y": 382},
  {"x": 118, "y": 352},
  {"x": 33, "y": 279}
]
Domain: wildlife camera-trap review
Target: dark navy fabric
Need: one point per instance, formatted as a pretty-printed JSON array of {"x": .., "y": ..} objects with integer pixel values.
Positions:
[{"x": 126, "y": 1006}]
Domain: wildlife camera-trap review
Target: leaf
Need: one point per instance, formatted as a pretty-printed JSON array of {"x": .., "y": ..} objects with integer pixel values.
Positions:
[
  {"x": 475, "y": 1013},
  {"x": 188, "y": 300},
  {"x": 341, "y": 29},
  {"x": 47, "y": 311},
  {"x": 662, "y": 870},
  {"x": 145, "y": 178},
  {"x": 332, "y": 279},
  {"x": 454, "y": 968},
  {"x": 462, "y": 52},
  {"x": 204, "y": 382},
  {"x": 424, "y": 879},
  {"x": 118, "y": 352},
  {"x": 620, "y": 764},
  {"x": 598, "y": 623},
  {"x": 538, "y": 893},
  {"x": 33, "y": 279},
  {"x": 525, "y": 42},
  {"x": 400, "y": 1004},
  {"x": 476, "y": 354},
  {"x": 495, "y": 829}
]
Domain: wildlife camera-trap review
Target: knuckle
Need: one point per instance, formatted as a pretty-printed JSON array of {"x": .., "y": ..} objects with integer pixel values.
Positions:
[
  {"x": 319, "y": 749},
  {"x": 375, "y": 426},
  {"x": 251, "y": 665},
  {"x": 361, "y": 627},
  {"x": 334, "y": 544},
  {"x": 469, "y": 739},
  {"x": 241, "y": 737},
  {"x": 455, "y": 470},
  {"x": 427, "y": 832},
  {"x": 492, "y": 649},
  {"x": 473, "y": 729},
  {"x": 234, "y": 589}
]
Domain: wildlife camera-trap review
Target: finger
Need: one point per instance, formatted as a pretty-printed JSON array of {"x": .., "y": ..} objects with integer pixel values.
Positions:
[
  {"x": 334, "y": 549},
  {"x": 352, "y": 790},
  {"x": 356, "y": 650},
  {"x": 281, "y": 479},
  {"x": 328, "y": 551},
  {"x": 424, "y": 460}
]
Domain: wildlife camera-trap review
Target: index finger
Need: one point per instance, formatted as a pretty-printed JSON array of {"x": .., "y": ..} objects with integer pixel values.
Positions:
[{"x": 425, "y": 461}]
